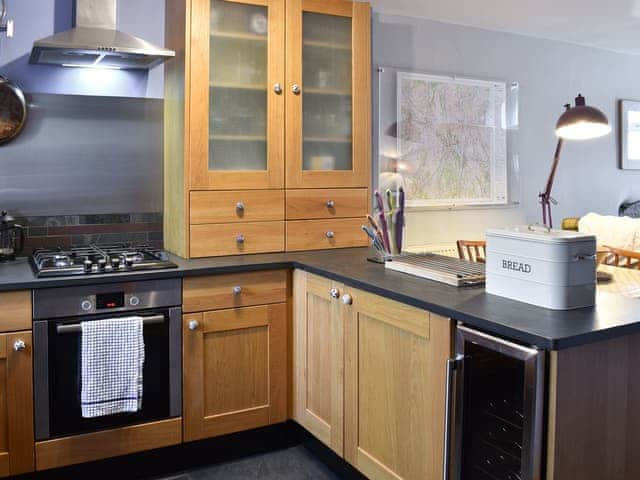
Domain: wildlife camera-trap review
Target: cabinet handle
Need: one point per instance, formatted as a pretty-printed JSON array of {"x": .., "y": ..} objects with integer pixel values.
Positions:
[
  {"x": 331, "y": 204},
  {"x": 19, "y": 346},
  {"x": 347, "y": 299},
  {"x": 296, "y": 89},
  {"x": 453, "y": 365},
  {"x": 277, "y": 88},
  {"x": 237, "y": 290},
  {"x": 240, "y": 206},
  {"x": 330, "y": 234},
  {"x": 240, "y": 239},
  {"x": 193, "y": 325},
  {"x": 334, "y": 292}
]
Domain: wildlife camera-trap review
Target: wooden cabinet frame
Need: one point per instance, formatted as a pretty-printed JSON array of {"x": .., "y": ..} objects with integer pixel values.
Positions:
[
  {"x": 200, "y": 176},
  {"x": 197, "y": 423},
  {"x": 312, "y": 397},
  {"x": 360, "y": 174},
  {"x": 16, "y": 402}
]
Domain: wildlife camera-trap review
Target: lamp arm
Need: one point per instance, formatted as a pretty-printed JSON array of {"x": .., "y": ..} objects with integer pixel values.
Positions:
[{"x": 545, "y": 197}]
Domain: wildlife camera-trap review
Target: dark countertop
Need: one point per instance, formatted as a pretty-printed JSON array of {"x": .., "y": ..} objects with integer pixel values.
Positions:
[{"x": 613, "y": 315}]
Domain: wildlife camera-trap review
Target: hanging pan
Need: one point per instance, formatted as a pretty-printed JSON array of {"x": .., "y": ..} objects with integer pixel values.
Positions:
[{"x": 13, "y": 110}]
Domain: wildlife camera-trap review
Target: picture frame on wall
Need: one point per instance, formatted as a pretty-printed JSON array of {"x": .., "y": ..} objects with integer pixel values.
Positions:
[{"x": 629, "y": 134}]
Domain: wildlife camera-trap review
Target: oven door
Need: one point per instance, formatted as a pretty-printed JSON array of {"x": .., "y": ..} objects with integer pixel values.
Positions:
[
  {"x": 57, "y": 374},
  {"x": 495, "y": 402}
]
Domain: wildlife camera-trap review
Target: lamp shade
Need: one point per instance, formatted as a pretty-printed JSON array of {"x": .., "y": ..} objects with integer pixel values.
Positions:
[{"x": 582, "y": 122}]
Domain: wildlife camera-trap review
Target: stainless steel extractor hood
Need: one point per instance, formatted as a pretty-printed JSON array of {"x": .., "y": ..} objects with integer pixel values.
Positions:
[{"x": 95, "y": 42}]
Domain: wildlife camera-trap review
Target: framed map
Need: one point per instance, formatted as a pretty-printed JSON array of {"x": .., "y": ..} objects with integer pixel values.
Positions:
[{"x": 452, "y": 140}]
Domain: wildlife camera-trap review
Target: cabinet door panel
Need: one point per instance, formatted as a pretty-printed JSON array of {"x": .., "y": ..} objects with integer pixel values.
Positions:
[
  {"x": 395, "y": 359},
  {"x": 16, "y": 405},
  {"x": 237, "y": 117},
  {"x": 234, "y": 370},
  {"x": 328, "y": 125},
  {"x": 318, "y": 359}
]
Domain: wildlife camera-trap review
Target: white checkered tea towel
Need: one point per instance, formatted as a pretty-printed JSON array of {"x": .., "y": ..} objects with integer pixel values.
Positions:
[{"x": 112, "y": 358}]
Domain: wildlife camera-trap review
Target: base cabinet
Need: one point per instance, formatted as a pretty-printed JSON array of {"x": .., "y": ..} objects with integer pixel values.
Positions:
[
  {"x": 235, "y": 370},
  {"x": 318, "y": 358},
  {"x": 16, "y": 404},
  {"x": 369, "y": 378},
  {"x": 395, "y": 357}
]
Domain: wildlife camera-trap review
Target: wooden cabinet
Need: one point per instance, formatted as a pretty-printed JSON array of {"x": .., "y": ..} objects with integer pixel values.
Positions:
[
  {"x": 395, "y": 357},
  {"x": 369, "y": 378},
  {"x": 16, "y": 404},
  {"x": 318, "y": 380},
  {"x": 328, "y": 136},
  {"x": 259, "y": 99},
  {"x": 234, "y": 359},
  {"x": 15, "y": 313}
]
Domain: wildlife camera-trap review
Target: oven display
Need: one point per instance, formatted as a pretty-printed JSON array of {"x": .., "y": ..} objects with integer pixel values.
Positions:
[{"x": 110, "y": 300}]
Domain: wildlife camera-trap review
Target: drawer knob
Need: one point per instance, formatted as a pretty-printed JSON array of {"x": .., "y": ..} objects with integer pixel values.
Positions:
[
  {"x": 19, "y": 346},
  {"x": 330, "y": 234},
  {"x": 193, "y": 325},
  {"x": 240, "y": 206},
  {"x": 334, "y": 292},
  {"x": 237, "y": 290},
  {"x": 331, "y": 204},
  {"x": 347, "y": 299},
  {"x": 240, "y": 239},
  {"x": 295, "y": 88},
  {"x": 277, "y": 88}
]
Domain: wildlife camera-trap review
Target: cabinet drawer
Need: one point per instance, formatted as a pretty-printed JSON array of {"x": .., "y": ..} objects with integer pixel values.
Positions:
[
  {"x": 220, "y": 291},
  {"x": 15, "y": 313},
  {"x": 236, "y": 238},
  {"x": 321, "y": 234},
  {"x": 236, "y": 206},
  {"x": 327, "y": 203}
]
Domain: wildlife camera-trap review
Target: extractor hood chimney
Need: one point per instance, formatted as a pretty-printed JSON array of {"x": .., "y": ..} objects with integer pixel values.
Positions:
[{"x": 95, "y": 42}]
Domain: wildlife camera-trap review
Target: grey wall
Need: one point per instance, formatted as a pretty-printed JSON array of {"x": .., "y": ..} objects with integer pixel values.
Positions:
[
  {"x": 550, "y": 74},
  {"x": 35, "y": 19}
]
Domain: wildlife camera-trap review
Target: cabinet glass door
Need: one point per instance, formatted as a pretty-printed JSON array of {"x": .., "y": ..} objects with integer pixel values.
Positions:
[
  {"x": 328, "y": 104},
  {"x": 237, "y": 76}
]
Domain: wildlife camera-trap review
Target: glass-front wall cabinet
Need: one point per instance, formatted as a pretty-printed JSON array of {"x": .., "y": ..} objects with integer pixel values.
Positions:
[
  {"x": 261, "y": 105},
  {"x": 328, "y": 64},
  {"x": 239, "y": 102}
]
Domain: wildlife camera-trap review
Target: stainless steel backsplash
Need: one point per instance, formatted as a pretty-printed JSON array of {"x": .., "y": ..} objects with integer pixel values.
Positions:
[{"x": 81, "y": 155}]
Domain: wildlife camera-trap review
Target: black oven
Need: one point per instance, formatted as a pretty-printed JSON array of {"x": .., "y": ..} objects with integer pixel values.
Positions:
[{"x": 56, "y": 331}]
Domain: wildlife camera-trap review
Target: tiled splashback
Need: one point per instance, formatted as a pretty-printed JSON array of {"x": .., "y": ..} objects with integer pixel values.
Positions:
[{"x": 66, "y": 230}]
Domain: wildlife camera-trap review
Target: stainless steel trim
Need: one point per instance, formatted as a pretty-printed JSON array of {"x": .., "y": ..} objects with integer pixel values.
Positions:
[
  {"x": 76, "y": 327},
  {"x": 534, "y": 397},
  {"x": 41, "y": 379},
  {"x": 175, "y": 361},
  {"x": 50, "y": 303},
  {"x": 450, "y": 395}
]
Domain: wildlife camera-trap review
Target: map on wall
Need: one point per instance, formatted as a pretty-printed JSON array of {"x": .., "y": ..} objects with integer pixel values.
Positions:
[{"x": 452, "y": 140}]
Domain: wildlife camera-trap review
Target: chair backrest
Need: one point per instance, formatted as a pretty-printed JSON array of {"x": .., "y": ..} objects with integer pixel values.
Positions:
[
  {"x": 619, "y": 257},
  {"x": 473, "y": 250}
]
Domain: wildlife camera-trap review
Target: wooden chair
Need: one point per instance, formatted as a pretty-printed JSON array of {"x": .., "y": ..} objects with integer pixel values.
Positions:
[
  {"x": 619, "y": 257},
  {"x": 473, "y": 250}
]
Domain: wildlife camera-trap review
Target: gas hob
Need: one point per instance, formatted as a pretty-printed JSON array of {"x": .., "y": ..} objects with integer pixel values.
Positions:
[{"x": 98, "y": 259}]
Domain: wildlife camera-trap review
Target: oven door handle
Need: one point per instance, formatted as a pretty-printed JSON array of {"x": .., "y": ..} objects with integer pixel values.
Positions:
[
  {"x": 453, "y": 365},
  {"x": 76, "y": 328}
]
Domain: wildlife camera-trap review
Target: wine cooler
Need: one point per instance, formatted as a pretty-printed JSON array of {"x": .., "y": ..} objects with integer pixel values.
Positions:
[{"x": 495, "y": 409}]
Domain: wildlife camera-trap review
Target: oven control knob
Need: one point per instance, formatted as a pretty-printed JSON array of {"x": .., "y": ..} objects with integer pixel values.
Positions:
[
  {"x": 19, "y": 345},
  {"x": 134, "y": 301},
  {"x": 86, "y": 305},
  {"x": 193, "y": 325}
]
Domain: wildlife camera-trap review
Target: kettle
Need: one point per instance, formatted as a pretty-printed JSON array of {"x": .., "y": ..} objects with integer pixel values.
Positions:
[{"x": 11, "y": 237}]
